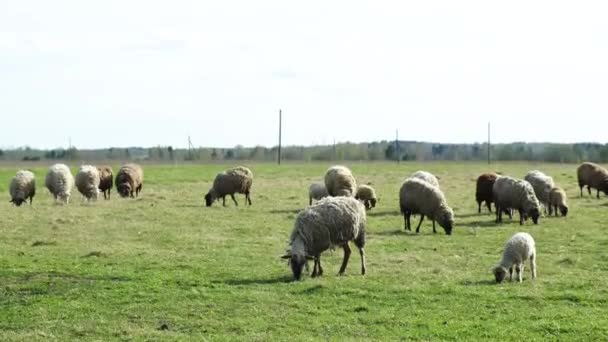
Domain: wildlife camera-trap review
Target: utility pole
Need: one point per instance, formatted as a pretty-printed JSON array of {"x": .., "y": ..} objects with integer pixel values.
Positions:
[
  {"x": 397, "y": 154},
  {"x": 488, "y": 143},
  {"x": 280, "y": 133}
]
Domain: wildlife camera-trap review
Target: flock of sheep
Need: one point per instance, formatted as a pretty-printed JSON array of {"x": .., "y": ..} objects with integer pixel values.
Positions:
[{"x": 339, "y": 215}]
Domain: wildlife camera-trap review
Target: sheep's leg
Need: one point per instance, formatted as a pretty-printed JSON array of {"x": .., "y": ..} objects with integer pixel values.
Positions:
[
  {"x": 521, "y": 217},
  {"x": 420, "y": 223},
  {"x": 533, "y": 265},
  {"x": 489, "y": 204},
  {"x": 362, "y": 254},
  {"x": 31, "y": 200},
  {"x": 551, "y": 210},
  {"x": 498, "y": 214},
  {"x": 314, "y": 268},
  {"x": 598, "y": 193},
  {"x": 518, "y": 270},
  {"x": 511, "y": 273},
  {"x": 589, "y": 189},
  {"x": 434, "y": 231},
  {"x": 346, "y": 257},
  {"x": 248, "y": 197},
  {"x": 234, "y": 199},
  {"x": 406, "y": 220},
  {"x": 479, "y": 207},
  {"x": 309, "y": 200},
  {"x": 319, "y": 268},
  {"x": 224, "y": 200}
]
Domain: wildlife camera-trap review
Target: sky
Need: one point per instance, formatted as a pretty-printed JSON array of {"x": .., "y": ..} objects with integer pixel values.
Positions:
[{"x": 147, "y": 73}]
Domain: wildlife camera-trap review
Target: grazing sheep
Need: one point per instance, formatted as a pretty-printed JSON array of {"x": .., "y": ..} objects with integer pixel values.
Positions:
[
  {"x": 106, "y": 180},
  {"x": 129, "y": 180},
  {"x": 483, "y": 191},
  {"x": 593, "y": 176},
  {"x": 558, "y": 199},
  {"x": 367, "y": 195},
  {"x": 339, "y": 181},
  {"x": 427, "y": 177},
  {"x": 87, "y": 182},
  {"x": 519, "y": 248},
  {"x": 510, "y": 193},
  {"x": 333, "y": 221},
  {"x": 316, "y": 191},
  {"x": 417, "y": 196},
  {"x": 22, "y": 187},
  {"x": 59, "y": 181},
  {"x": 542, "y": 185},
  {"x": 229, "y": 182}
]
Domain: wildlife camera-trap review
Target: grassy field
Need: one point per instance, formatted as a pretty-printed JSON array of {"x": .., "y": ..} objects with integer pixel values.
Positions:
[{"x": 166, "y": 267}]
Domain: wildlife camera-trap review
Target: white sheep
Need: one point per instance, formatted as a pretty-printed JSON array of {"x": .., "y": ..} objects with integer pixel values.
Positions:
[
  {"x": 87, "y": 182},
  {"x": 542, "y": 185},
  {"x": 59, "y": 181},
  {"x": 510, "y": 193},
  {"x": 519, "y": 248},
  {"x": 558, "y": 200},
  {"x": 331, "y": 222},
  {"x": 316, "y": 191},
  {"x": 22, "y": 187},
  {"x": 427, "y": 177},
  {"x": 416, "y": 196},
  {"x": 339, "y": 181}
]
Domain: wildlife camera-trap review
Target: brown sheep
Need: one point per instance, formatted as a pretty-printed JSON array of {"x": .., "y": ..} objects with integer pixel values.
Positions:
[
  {"x": 557, "y": 199},
  {"x": 106, "y": 180},
  {"x": 229, "y": 182},
  {"x": 129, "y": 179},
  {"x": 483, "y": 192},
  {"x": 592, "y": 176}
]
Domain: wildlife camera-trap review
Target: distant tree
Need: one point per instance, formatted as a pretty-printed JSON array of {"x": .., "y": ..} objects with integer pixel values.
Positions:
[
  {"x": 171, "y": 152},
  {"x": 214, "y": 154},
  {"x": 229, "y": 154}
]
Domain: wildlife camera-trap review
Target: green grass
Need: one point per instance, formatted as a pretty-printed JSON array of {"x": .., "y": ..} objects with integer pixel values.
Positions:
[{"x": 166, "y": 267}]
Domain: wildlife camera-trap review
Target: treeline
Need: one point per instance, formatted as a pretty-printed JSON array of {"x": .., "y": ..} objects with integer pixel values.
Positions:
[{"x": 375, "y": 151}]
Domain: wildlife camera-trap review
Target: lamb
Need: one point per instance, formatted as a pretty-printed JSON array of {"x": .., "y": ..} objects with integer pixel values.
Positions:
[
  {"x": 59, "y": 181},
  {"x": 87, "y": 182},
  {"x": 593, "y": 176},
  {"x": 129, "y": 180},
  {"x": 367, "y": 195},
  {"x": 339, "y": 181},
  {"x": 557, "y": 199},
  {"x": 333, "y": 221},
  {"x": 519, "y": 248},
  {"x": 316, "y": 191},
  {"x": 510, "y": 193},
  {"x": 542, "y": 185},
  {"x": 229, "y": 182},
  {"x": 427, "y": 177},
  {"x": 106, "y": 180},
  {"x": 417, "y": 196},
  {"x": 483, "y": 191},
  {"x": 22, "y": 187}
]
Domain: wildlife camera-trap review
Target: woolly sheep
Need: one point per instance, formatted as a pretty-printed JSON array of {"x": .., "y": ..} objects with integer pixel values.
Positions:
[
  {"x": 87, "y": 182},
  {"x": 331, "y": 222},
  {"x": 427, "y": 177},
  {"x": 316, "y": 191},
  {"x": 59, "y": 181},
  {"x": 229, "y": 182},
  {"x": 510, "y": 193},
  {"x": 592, "y": 176},
  {"x": 558, "y": 199},
  {"x": 542, "y": 185},
  {"x": 129, "y": 180},
  {"x": 417, "y": 196},
  {"x": 22, "y": 187},
  {"x": 519, "y": 248},
  {"x": 367, "y": 195},
  {"x": 339, "y": 181},
  {"x": 106, "y": 180}
]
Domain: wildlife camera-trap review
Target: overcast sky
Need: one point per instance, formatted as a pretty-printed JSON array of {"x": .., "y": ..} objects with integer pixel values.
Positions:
[{"x": 140, "y": 73}]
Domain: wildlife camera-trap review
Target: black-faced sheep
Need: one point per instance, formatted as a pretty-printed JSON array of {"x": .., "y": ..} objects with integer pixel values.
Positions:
[
  {"x": 59, "y": 181},
  {"x": 129, "y": 180},
  {"x": 22, "y": 187},
  {"x": 592, "y": 176},
  {"x": 510, "y": 193},
  {"x": 519, "y": 248},
  {"x": 331, "y": 222},
  {"x": 483, "y": 191},
  {"x": 367, "y": 195},
  {"x": 417, "y": 196},
  {"x": 316, "y": 191},
  {"x": 229, "y": 182},
  {"x": 339, "y": 181},
  {"x": 558, "y": 200},
  {"x": 87, "y": 182},
  {"x": 106, "y": 180}
]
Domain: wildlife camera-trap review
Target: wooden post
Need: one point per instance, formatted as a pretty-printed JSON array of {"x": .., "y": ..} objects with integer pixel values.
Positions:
[
  {"x": 488, "y": 143},
  {"x": 280, "y": 133},
  {"x": 397, "y": 154}
]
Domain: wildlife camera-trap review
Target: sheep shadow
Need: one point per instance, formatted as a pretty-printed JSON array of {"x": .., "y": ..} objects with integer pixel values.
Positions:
[
  {"x": 381, "y": 213},
  {"x": 485, "y": 282},
  {"x": 268, "y": 281},
  {"x": 473, "y": 215}
]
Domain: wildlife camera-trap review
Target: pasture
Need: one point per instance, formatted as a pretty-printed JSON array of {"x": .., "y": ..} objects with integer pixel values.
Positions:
[{"x": 163, "y": 266}]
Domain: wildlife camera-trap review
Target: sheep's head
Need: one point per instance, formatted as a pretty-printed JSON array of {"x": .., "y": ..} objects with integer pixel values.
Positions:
[
  {"x": 534, "y": 213},
  {"x": 17, "y": 201},
  {"x": 124, "y": 189},
  {"x": 445, "y": 218},
  {"x": 210, "y": 198},
  {"x": 564, "y": 210},
  {"x": 373, "y": 202},
  {"x": 500, "y": 273},
  {"x": 297, "y": 261}
]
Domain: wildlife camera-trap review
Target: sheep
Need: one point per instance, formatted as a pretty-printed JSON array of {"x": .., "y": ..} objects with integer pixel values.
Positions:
[
  {"x": 106, "y": 180},
  {"x": 331, "y": 222},
  {"x": 557, "y": 199},
  {"x": 339, "y": 181},
  {"x": 59, "y": 181},
  {"x": 427, "y": 177},
  {"x": 593, "y": 176},
  {"x": 367, "y": 195},
  {"x": 229, "y": 182},
  {"x": 483, "y": 191},
  {"x": 542, "y": 184},
  {"x": 519, "y": 248},
  {"x": 129, "y": 180},
  {"x": 22, "y": 187},
  {"x": 417, "y": 196},
  {"x": 316, "y": 191},
  {"x": 87, "y": 182},
  {"x": 510, "y": 193}
]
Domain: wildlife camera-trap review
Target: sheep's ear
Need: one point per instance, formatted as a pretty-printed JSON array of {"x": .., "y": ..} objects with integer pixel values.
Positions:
[{"x": 286, "y": 256}]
